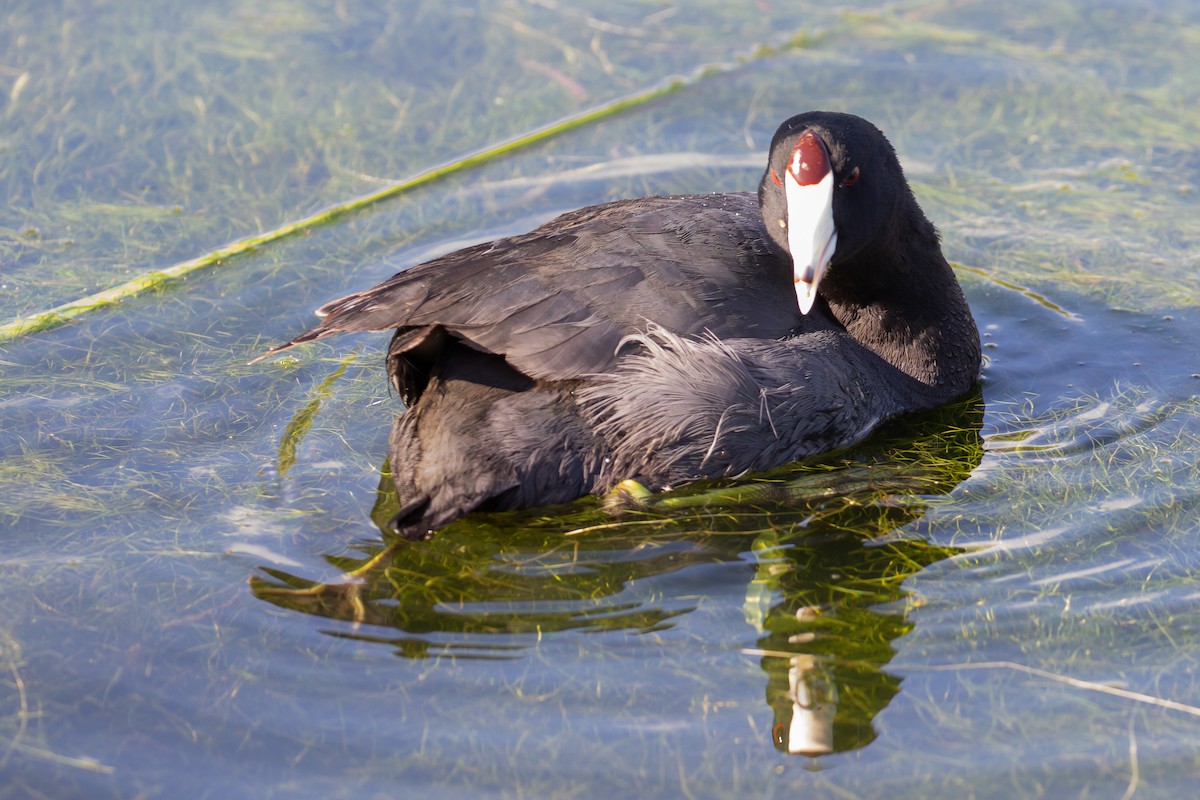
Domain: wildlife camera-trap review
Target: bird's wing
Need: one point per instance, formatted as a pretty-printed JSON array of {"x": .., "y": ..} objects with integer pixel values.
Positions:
[{"x": 557, "y": 302}]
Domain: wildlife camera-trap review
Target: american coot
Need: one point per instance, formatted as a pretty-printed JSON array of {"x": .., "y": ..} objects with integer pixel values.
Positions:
[{"x": 667, "y": 339}]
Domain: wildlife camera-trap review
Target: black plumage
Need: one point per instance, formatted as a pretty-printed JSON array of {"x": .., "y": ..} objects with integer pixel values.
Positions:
[{"x": 660, "y": 338}]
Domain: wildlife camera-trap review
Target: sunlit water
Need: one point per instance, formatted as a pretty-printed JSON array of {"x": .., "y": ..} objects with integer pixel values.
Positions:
[{"x": 995, "y": 600}]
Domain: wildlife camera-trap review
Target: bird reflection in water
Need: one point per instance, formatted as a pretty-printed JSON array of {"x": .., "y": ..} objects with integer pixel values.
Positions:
[
  {"x": 828, "y": 537},
  {"x": 814, "y": 696}
]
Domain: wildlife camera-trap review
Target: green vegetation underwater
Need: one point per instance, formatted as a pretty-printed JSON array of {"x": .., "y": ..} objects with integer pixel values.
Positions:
[{"x": 996, "y": 599}]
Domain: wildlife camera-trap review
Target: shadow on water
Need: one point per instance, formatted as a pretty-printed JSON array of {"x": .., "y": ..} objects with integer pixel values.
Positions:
[{"x": 823, "y": 540}]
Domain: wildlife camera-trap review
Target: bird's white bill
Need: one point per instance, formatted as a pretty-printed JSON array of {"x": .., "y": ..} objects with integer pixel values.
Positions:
[{"x": 812, "y": 237}]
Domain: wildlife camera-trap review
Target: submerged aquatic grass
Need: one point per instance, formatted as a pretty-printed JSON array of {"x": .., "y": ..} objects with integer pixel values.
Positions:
[
  {"x": 126, "y": 217},
  {"x": 146, "y": 470},
  {"x": 160, "y": 279}
]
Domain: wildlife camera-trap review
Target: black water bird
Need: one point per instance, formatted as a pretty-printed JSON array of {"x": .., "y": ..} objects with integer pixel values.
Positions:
[{"x": 666, "y": 339}]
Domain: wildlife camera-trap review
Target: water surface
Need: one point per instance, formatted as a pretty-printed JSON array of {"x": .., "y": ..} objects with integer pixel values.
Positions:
[{"x": 994, "y": 600}]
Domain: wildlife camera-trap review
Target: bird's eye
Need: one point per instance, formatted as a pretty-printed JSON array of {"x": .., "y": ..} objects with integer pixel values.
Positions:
[
  {"x": 775, "y": 178},
  {"x": 852, "y": 178}
]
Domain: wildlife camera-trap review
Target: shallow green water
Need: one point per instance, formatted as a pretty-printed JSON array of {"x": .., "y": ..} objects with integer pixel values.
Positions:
[{"x": 997, "y": 600}]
